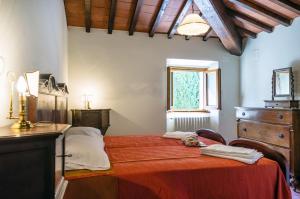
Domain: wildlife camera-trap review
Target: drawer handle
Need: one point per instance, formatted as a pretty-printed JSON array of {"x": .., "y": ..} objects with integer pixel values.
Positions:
[
  {"x": 281, "y": 117},
  {"x": 281, "y": 135},
  {"x": 67, "y": 155},
  {"x": 243, "y": 113},
  {"x": 245, "y": 129}
]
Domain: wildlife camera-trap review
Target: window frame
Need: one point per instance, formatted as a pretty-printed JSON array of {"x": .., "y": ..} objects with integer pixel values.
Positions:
[
  {"x": 218, "y": 89},
  {"x": 207, "y": 107}
]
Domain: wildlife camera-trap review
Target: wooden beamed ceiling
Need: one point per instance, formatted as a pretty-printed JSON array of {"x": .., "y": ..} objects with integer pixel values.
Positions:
[{"x": 230, "y": 20}]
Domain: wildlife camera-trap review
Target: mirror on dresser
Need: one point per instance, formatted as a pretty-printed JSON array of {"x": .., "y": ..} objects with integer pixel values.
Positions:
[{"x": 282, "y": 89}]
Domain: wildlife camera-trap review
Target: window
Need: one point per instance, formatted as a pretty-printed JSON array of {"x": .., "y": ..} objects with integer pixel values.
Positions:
[{"x": 193, "y": 89}]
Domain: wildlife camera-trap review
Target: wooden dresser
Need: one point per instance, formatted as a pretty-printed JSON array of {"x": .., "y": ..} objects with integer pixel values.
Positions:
[
  {"x": 97, "y": 118},
  {"x": 277, "y": 128},
  {"x": 32, "y": 162}
]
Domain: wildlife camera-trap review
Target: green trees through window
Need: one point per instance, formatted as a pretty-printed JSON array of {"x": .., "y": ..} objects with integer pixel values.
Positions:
[{"x": 186, "y": 90}]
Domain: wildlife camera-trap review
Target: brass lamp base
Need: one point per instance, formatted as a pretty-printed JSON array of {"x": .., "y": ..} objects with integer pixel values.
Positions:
[{"x": 22, "y": 124}]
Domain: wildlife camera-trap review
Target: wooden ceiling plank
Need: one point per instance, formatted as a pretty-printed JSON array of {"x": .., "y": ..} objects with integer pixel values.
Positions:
[
  {"x": 249, "y": 33},
  {"x": 182, "y": 12},
  {"x": 208, "y": 34},
  {"x": 215, "y": 14},
  {"x": 262, "y": 11},
  {"x": 158, "y": 17},
  {"x": 87, "y": 9},
  {"x": 252, "y": 21},
  {"x": 135, "y": 16},
  {"x": 112, "y": 14},
  {"x": 288, "y": 5}
]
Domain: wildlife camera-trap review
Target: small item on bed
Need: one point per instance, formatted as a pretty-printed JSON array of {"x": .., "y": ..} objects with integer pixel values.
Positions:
[
  {"x": 249, "y": 156},
  {"x": 178, "y": 134},
  {"x": 192, "y": 140}
]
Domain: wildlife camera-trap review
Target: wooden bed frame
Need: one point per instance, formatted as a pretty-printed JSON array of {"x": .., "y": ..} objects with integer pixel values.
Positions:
[
  {"x": 52, "y": 104},
  {"x": 268, "y": 153}
]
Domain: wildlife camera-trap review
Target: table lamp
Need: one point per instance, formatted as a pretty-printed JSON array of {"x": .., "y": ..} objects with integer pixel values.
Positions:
[{"x": 25, "y": 87}]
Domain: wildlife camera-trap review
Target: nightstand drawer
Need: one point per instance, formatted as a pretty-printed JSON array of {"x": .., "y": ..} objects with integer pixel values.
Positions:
[
  {"x": 273, "y": 134},
  {"x": 272, "y": 116}
]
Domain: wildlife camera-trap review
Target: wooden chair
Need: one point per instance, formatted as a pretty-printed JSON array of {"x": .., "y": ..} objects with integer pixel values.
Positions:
[
  {"x": 210, "y": 134},
  {"x": 268, "y": 153}
]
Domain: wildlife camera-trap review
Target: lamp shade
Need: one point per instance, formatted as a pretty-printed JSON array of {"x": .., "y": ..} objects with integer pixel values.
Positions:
[
  {"x": 192, "y": 25},
  {"x": 33, "y": 83}
]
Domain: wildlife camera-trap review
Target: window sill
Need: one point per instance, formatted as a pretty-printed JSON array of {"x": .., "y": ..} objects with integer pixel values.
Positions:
[
  {"x": 188, "y": 114},
  {"x": 188, "y": 111}
]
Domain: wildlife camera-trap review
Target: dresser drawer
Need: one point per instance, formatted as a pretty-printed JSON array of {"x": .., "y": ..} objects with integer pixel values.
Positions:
[
  {"x": 263, "y": 115},
  {"x": 273, "y": 134}
]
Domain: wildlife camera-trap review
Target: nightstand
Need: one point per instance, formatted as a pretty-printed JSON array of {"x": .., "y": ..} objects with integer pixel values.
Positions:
[
  {"x": 32, "y": 162},
  {"x": 98, "y": 118}
]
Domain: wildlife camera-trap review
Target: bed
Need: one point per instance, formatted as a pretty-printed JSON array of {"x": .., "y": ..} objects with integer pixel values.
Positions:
[{"x": 152, "y": 167}]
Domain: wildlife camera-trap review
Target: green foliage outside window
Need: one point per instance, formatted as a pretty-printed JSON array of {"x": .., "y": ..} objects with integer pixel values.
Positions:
[{"x": 185, "y": 90}]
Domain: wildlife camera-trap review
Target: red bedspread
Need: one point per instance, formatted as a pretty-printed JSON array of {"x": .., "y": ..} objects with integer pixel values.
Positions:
[{"x": 151, "y": 167}]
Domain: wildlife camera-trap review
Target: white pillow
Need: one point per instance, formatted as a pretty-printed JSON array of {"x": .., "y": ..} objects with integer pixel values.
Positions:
[
  {"x": 87, "y": 148},
  {"x": 89, "y": 131}
]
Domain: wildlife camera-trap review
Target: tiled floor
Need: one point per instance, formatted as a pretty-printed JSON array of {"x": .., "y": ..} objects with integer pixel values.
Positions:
[{"x": 295, "y": 195}]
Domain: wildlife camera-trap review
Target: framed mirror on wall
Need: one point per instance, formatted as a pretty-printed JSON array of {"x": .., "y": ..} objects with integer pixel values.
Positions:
[{"x": 282, "y": 89}]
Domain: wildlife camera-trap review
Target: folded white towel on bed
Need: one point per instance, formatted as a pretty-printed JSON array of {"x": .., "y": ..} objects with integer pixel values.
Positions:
[
  {"x": 178, "y": 134},
  {"x": 241, "y": 154}
]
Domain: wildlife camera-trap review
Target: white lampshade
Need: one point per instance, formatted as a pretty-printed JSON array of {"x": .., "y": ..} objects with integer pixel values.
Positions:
[
  {"x": 192, "y": 25},
  {"x": 33, "y": 83}
]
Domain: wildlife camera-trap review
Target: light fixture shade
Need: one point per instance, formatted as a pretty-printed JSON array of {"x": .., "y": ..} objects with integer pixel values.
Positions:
[
  {"x": 192, "y": 25},
  {"x": 33, "y": 83}
]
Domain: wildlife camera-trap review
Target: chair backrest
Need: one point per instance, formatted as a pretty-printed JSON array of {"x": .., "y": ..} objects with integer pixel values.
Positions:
[
  {"x": 268, "y": 153},
  {"x": 210, "y": 134}
]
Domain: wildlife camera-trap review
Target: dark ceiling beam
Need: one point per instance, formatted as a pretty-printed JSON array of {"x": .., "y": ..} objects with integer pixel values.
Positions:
[
  {"x": 182, "y": 12},
  {"x": 252, "y": 21},
  {"x": 87, "y": 13},
  {"x": 262, "y": 11},
  {"x": 246, "y": 32},
  {"x": 112, "y": 14},
  {"x": 158, "y": 17},
  {"x": 288, "y": 5},
  {"x": 135, "y": 16},
  {"x": 208, "y": 34},
  {"x": 215, "y": 14}
]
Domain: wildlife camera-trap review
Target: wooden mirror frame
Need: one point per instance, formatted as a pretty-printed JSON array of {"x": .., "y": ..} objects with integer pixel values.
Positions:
[{"x": 291, "y": 82}]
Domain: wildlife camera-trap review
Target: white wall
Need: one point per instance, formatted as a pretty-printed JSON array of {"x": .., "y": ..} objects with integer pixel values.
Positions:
[
  {"x": 33, "y": 36},
  {"x": 279, "y": 49},
  {"x": 128, "y": 74}
]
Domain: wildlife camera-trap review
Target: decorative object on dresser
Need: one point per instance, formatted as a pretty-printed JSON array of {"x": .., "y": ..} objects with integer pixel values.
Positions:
[
  {"x": 25, "y": 87},
  {"x": 282, "y": 86},
  {"x": 98, "y": 118},
  {"x": 278, "y": 128}
]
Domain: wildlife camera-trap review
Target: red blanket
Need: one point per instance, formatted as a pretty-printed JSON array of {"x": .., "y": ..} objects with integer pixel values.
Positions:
[{"x": 150, "y": 167}]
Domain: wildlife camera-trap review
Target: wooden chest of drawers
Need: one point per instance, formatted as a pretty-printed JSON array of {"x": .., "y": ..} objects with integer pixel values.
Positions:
[
  {"x": 277, "y": 128},
  {"x": 32, "y": 162}
]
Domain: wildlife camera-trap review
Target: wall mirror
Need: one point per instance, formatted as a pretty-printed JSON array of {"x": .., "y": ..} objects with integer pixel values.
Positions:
[{"x": 283, "y": 83}]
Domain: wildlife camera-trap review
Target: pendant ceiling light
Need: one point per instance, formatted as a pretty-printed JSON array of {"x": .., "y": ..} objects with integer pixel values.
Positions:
[{"x": 192, "y": 25}]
